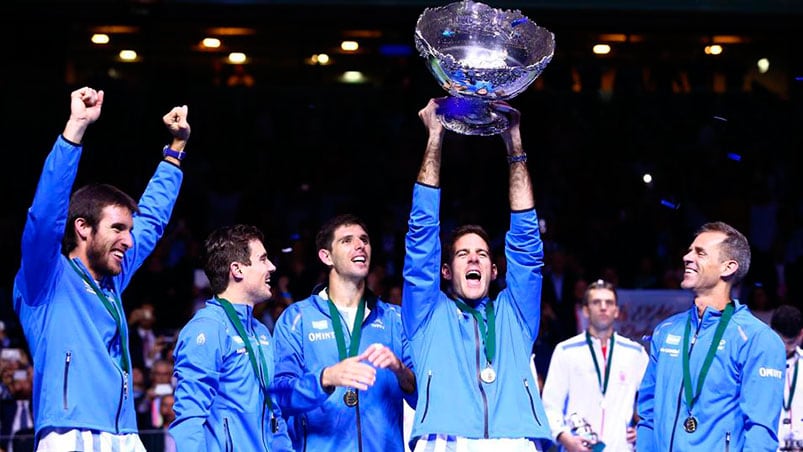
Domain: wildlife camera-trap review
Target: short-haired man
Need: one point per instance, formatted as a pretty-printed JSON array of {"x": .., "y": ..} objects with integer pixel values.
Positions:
[
  {"x": 593, "y": 378},
  {"x": 224, "y": 355},
  {"x": 79, "y": 254},
  {"x": 472, "y": 354},
  {"x": 715, "y": 376},
  {"x": 342, "y": 364}
]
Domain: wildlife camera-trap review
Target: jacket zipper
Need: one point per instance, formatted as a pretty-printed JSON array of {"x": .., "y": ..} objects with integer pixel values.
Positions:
[
  {"x": 229, "y": 442},
  {"x": 478, "y": 350},
  {"x": 67, "y": 361},
  {"x": 304, "y": 432},
  {"x": 359, "y": 424},
  {"x": 532, "y": 402},
  {"x": 727, "y": 441},
  {"x": 426, "y": 403}
]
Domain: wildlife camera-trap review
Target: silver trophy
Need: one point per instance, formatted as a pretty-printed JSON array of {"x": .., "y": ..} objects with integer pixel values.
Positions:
[
  {"x": 580, "y": 427},
  {"x": 479, "y": 55}
]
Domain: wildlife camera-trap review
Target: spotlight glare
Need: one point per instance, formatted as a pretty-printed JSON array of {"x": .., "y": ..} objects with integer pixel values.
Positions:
[
  {"x": 763, "y": 65},
  {"x": 323, "y": 59},
  {"x": 349, "y": 46},
  {"x": 647, "y": 178},
  {"x": 100, "y": 38},
  {"x": 237, "y": 57},
  {"x": 128, "y": 55},
  {"x": 211, "y": 43},
  {"x": 601, "y": 49},
  {"x": 352, "y": 77}
]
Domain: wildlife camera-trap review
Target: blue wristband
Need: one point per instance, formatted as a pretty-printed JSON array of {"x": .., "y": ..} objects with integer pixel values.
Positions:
[
  {"x": 178, "y": 155},
  {"x": 517, "y": 158}
]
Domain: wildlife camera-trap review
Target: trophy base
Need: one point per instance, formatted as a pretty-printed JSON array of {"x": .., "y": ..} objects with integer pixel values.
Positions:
[{"x": 472, "y": 117}]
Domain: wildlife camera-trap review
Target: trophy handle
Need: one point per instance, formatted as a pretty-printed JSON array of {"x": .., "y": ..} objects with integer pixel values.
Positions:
[{"x": 469, "y": 116}]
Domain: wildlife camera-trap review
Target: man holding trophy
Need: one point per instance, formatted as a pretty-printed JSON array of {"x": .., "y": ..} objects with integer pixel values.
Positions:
[
  {"x": 475, "y": 385},
  {"x": 471, "y": 353},
  {"x": 591, "y": 385}
]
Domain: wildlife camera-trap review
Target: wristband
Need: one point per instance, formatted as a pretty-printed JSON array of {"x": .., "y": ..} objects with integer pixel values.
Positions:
[
  {"x": 517, "y": 158},
  {"x": 178, "y": 155}
]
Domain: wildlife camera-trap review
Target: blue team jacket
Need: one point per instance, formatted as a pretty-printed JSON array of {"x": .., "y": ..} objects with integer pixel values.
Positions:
[
  {"x": 218, "y": 401},
  {"x": 320, "y": 421},
  {"x": 446, "y": 344},
  {"x": 742, "y": 396},
  {"x": 78, "y": 379}
]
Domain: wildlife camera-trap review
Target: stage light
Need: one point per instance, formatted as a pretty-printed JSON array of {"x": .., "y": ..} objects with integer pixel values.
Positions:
[
  {"x": 237, "y": 58},
  {"x": 763, "y": 65},
  {"x": 211, "y": 43},
  {"x": 601, "y": 49},
  {"x": 100, "y": 38},
  {"x": 349, "y": 46},
  {"x": 128, "y": 55}
]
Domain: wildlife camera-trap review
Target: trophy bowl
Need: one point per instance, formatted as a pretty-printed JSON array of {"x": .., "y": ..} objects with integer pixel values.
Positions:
[{"x": 479, "y": 55}]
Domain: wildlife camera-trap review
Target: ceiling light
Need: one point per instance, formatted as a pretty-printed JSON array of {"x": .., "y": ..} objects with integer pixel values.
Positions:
[
  {"x": 100, "y": 38},
  {"x": 128, "y": 55},
  {"x": 211, "y": 43},
  {"x": 349, "y": 46},
  {"x": 237, "y": 57},
  {"x": 601, "y": 49}
]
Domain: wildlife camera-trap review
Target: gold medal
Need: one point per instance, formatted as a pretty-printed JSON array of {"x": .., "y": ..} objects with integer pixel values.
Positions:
[
  {"x": 690, "y": 424},
  {"x": 488, "y": 375},
  {"x": 350, "y": 398}
]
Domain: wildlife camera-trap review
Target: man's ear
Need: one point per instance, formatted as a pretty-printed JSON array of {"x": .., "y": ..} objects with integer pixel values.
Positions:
[
  {"x": 235, "y": 271},
  {"x": 82, "y": 228},
  {"x": 494, "y": 272},
  {"x": 446, "y": 272},
  {"x": 325, "y": 257},
  {"x": 729, "y": 267}
]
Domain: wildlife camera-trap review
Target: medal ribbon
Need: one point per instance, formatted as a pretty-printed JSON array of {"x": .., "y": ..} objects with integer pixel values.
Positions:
[
  {"x": 709, "y": 357},
  {"x": 113, "y": 310},
  {"x": 603, "y": 384},
  {"x": 787, "y": 404},
  {"x": 238, "y": 325},
  {"x": 488, "y": 333},
  {"x": 356, "y": 329}
]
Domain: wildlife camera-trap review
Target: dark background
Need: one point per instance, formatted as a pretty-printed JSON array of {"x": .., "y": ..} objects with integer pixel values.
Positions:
[{"x": 299, "y": 146}]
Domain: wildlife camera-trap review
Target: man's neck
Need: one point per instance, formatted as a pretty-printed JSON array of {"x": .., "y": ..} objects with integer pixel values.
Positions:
[
  {"x": 603, "y": 335},
  {"x": 235, "y": 296},
  {"x": 345, "y": 293},
  {"x": 85, "y": 261},
  {"x": 715, "y": 300}
]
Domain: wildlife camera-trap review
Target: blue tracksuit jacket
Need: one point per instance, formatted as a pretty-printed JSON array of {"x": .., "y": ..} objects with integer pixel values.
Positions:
[
  {"x": 742, "y": 396},
  {"x": 78, "y": 381},
  {"x": 447, "y": 347}
]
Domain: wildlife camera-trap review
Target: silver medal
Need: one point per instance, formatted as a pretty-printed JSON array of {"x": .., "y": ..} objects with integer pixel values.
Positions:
[{"x": 488, "y": 375}]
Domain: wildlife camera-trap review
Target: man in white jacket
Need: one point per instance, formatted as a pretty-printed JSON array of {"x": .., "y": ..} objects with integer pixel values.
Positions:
[{"x": 591, "y": 385}]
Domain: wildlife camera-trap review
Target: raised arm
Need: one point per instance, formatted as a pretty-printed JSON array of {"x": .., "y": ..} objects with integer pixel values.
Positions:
[
  {"x": 157, "y": 201},
  {"x": 521, "y": 188},
  {"x": 421, "y": 289},
  {"x": 430, "y": 171},
  {"x": 85, "y": 106},
  {"x": 176, "y": 122},
  {"x": 44, "y": 226}
]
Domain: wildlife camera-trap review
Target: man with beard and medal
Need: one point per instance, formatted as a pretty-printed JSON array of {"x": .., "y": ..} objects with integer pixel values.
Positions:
[
  {"x": 788, "y": 323},
  {"x": 595, "y": 375},
  {"x": 79, "y": 254},
  {"x": 343, "y": 369},
  {"x": 472, "y": 353},
  {"x": 716, "y": 372}
]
